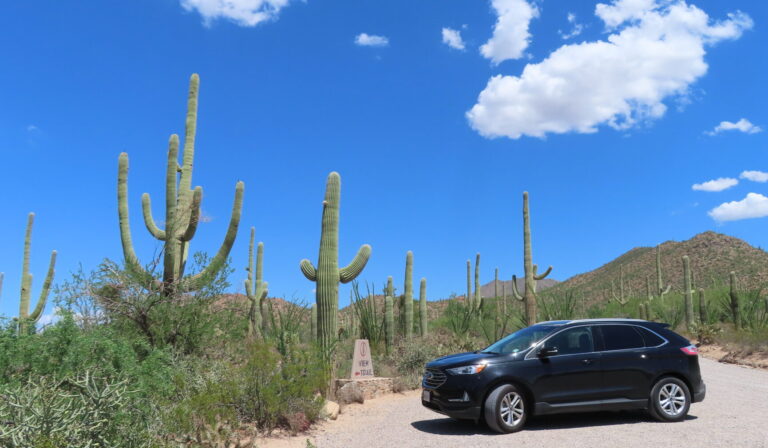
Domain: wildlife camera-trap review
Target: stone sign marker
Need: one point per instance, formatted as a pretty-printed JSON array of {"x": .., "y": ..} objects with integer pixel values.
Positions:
[{"x": 362, "y": 364}]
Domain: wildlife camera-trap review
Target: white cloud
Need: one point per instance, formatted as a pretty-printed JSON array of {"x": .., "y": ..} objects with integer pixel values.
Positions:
[
  {"x": 755, "y": 176},
  {"x": 755, "y": 205},
  {"x": 371, "y": 40},
  {"x": 32, "y": 128},
  {"x": 453, "y": 39},
  {"x": 656, "y": 53},
  {"x": 742, "y": 125},
  {"x": 720, "y": 184},
  {"x": 510, "y": 34},
  {"x": 242, "y": 12},
  {"x": 576, "y": 28}
]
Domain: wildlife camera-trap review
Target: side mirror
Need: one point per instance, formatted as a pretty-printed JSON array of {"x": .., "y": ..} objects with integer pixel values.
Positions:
[{"x": 546, "y": 352}]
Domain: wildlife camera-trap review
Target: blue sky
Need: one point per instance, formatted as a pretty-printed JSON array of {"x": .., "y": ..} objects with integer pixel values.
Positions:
[{"x": 609, "y": 129}]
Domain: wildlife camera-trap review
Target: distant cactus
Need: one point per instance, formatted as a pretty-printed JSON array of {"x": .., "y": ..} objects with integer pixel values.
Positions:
[
  {"x": 423, "y": 318},
  {"x": 182, "y": 214},
  {"x": 531, "y": 276},
  {"x": 313, "y": 328},
  {"x": 2, "y": 275},
  {"x": 690, "y": 320},
  {"x": 25, "y": 317},
  {"x": 327, "y": 275},
  {"x": 620, "y": 298},
  {"x": 469, "y": 285},
  {"x": 478, "y": 300},
  {"x": 641, "y": 311},
  {"x": 389, "y": 323},
  {"x": 735, "y": 309},
  {"x": 703, "y": 316},
  {"x": 408, "y": 295},
  {"x": 255, "y": 291},
  {"x": 661, "y": 291}
]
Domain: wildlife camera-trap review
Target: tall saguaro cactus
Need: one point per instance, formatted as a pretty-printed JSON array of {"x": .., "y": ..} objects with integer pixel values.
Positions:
[
  {"x": 690, "y": 319},
  {"x": 25, "y": 317},
  {"x": 256, "y": 291},
  {"x": 423, "y": 318},
  {"x": 661, "y": 291},
  {"x": 408, "y": 295},
  {"x": 390, "y": 287},
  {"x": 531, "y": 270},
  {"x": 620, "y": 298},
  {"x": 327, "y": 275},
  {"x": 389, "y": 323},
  {"x": 734, "y": 295},
  {"x": 478, "y": 301},
  {"x": 182, "y": 214}
]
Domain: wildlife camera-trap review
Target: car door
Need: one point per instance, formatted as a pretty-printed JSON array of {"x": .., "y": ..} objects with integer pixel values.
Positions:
[
  {"x": 572, "y": 375},
  {"x": 627, "y": 368}
]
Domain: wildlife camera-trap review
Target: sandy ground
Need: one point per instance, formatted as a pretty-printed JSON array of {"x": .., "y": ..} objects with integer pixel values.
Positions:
[{"x": 734, "y": 415}]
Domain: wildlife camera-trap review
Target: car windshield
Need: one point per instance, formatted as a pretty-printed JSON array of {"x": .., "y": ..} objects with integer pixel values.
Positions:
[{"x": 521, "y": 339}]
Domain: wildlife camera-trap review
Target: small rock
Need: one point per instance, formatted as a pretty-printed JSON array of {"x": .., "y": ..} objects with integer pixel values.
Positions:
[
  {"x": 331, "y": 410},
  {"x": 350, "y": 393}
]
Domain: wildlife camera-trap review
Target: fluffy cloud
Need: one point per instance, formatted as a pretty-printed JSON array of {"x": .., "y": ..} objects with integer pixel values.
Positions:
[
  {"x": 510, "y": 34},
  {"x": 576, "y": 28},
  {"x": 656, "y": 51},
  {"x": 754, "y": 176},
  {"x": 242, "y": 12},
  {"x": 755, "y": 205},
  {"x": 453, "y": 39},
  {"x": 742, "y": 125},
  {"x": 371, "y": 40},
  {"x": 720, "y": 184}
]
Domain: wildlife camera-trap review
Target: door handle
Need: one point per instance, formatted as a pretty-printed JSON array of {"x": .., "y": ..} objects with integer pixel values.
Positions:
[{"x": 586, "y": 361}]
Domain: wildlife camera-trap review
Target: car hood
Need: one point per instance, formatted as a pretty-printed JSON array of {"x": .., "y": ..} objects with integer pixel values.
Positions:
[{"x": 463, "y": 359}]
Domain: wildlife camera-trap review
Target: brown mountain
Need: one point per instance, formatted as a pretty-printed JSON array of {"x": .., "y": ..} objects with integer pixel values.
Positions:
[
  {"x": 713, "y": 255},
  {"x": 487, "y": 289}
]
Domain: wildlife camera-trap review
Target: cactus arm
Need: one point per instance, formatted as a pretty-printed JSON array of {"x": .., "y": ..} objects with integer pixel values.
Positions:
[
  {"x": 149, "y": 221},
  {"x": 194, "y": 218},
  {"x": 35, "y": 315},
  {"x": 515, "y": 291},
  {"x": 185, "y": 182},
  {"x": 354, "y": 268},
  {"x": 196, "y": 281},
  {"x": 542, "y": 276},
  {"x": 308, "y": 270}
]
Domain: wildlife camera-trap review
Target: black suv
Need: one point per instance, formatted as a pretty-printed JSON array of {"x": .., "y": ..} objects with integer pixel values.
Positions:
[{"x": 568, "y": 366}]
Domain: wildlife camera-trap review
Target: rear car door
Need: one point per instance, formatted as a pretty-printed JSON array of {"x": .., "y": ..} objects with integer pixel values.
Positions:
[{"x": 626, "y": 362}]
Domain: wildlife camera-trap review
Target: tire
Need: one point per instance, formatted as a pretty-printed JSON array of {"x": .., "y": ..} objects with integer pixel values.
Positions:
[
  {"x": 505, "y": 409},
  {"x": 670, "y": 400}
]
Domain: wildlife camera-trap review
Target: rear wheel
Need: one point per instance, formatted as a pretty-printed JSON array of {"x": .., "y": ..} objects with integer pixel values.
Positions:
[
  {"x": 670, "y": 400},
  {"x": 505, "y": 410}
]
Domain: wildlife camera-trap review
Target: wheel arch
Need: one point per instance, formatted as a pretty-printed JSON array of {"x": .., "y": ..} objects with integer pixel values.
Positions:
[
  {"x": 673, "y": 374},
  {"x": 521, "y": 385}
]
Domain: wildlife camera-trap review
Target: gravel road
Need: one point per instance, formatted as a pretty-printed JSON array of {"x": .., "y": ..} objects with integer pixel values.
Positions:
[{"x": 734, "y": 415}]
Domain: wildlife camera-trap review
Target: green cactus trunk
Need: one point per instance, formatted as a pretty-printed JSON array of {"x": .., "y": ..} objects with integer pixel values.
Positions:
[
  {"x": 690, "y": 320},
  {"x": 327, "y": 275},
  {"x": 423, "y": 318},
  {"x": 25, "y": 317},
  {"x": 478, "y": 300},
  {"x": 255, "y": 291},
  {"x": 313, "y": 329},
  {"x": 703, "y": 316},
  {"x": 469, "y": 285},
  {"x": 182, "y": 215},
  {"x": 641, "y": 311},
  {"x": 620, "y": 298},
  {"x": 735, "y": 309},
  {"x": 531, "y": 270},
  {"x": 661, "y": 291},
  {"x": 408, "y": 297},
  {"x": 389, "y": 323}
]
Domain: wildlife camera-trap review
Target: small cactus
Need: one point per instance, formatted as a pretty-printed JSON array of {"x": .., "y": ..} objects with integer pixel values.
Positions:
[
  {"x": 25, "y": 317},
  {"x": 389, "y": 323},
  {"x": 423, "y": 318},
  {"x": 255, "y": 291}
]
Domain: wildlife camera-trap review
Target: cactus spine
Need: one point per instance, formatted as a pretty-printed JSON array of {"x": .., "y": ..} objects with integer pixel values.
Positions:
[
  {"x": 690, "y": 320},
  {"x": 182, "y": 214},
  {"x": 531, "y": 275},
  {"x": 735, "y": 310},
  {"x": 661, "y": 291},
  {"x": 25, "y": 317},
  {"x": 469, "y": 284},
  {"x": 408, "y": 297},
  {"x": 423, "y": 318},
  {"x": 327, "y": 275},
  {"x": 478, "y": 301},
  {"x": 621, "y": 299},
  {"x": 257, "y": 291},
  {"x": 389, "y": 323},
  {"x": 703, "y": 316}
]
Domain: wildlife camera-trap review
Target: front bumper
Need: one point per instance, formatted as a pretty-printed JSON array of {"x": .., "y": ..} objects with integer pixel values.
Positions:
[{"x": 463, "y": 413}]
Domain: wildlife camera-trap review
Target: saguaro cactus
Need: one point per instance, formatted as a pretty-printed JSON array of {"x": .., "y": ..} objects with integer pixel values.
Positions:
[
  {"x": 735, "y": 310},
  {"x": 390, "y": 287},
  {"x": 703, "y": 316},
  {"x": 478, "y": 301},
  {"x": 257, "y": 291},
  {"x": 690, "y": 320},
  {"x": 531, "y": 270},
  {"x": 423, "y": 318},
  {"x": 661, "y": 291},
  {"x": 620, "y": 298},
  {"x": 408, "y": 295},
  {"x": 389, "y": 323},
  {"x": 182, "y": 214},
  {"x": 25, "y": 317},
  {"x": 327, "y": 275}
]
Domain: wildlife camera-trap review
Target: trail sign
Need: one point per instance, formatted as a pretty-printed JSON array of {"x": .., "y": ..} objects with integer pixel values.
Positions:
[{"x": 362, "y": 364}]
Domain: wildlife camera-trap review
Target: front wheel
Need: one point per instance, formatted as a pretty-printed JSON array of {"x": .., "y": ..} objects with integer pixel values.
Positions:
[
  {"x": 670, "y": 400},
  {"x": 505, "y": 409}
]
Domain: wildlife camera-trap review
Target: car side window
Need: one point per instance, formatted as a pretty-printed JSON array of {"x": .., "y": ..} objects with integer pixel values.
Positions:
[
  {"x": 621, "y": 337},
  {"x": 572, "y": 341},
  {"x": 651, "y": 339}
]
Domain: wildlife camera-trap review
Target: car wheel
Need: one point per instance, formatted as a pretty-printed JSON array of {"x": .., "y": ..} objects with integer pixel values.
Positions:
[
  {"x": 505, "y": 409},
  {"x": 670, "y": 400}
]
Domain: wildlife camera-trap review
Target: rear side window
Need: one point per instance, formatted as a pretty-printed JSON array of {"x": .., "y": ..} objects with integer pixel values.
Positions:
[
  {"x": 621, "y": 337},
  {"x": 651, "y": 339}
]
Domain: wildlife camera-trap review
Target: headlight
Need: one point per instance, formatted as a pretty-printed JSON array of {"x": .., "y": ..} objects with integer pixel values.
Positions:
[{"x": 467, "y": 370}]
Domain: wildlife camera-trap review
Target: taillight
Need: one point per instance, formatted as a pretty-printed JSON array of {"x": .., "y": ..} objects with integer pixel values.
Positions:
[{"x": 691, "y": 350}]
